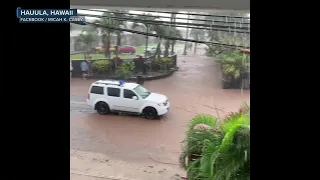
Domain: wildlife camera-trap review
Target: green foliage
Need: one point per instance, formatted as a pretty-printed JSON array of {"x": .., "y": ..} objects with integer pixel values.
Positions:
[
  {"x": 232, "y": 64},
  {"x": 125, "y": 70},
  {"x": 159, "y": 29},
  {"x": 202, "y": 119},
  {"x": 102, "y": 25},
  {"x": 221, "y": 151},
  {"x": 163, "y": 62},
  {"x": 87, "y": 37},
  {"x": 101, "y": 66}
]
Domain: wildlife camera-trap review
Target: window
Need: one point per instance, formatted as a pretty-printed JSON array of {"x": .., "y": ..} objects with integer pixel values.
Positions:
[
  {"x": 143, "y": 92},
  {"x": 96, "y": 90},
  {"x": 115, "y": 92},
  {"x": 128, "y": 94}
]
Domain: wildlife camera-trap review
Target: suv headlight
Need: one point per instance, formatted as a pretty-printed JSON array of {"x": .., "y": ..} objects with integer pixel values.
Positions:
[{"x": 163, "y": 104}]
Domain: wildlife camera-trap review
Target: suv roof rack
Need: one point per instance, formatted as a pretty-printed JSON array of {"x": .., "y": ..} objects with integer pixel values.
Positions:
[{"x": 108, "y": 82}]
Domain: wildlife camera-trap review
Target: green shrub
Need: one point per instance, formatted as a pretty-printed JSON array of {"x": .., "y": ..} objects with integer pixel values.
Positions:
[
  {"x": 125, "y": 70},
  {"x": 233, "y": 63},
  {"x": 163, "y": 62},
  {"x": 101, "y": 66},
  {"x": 218, "y": 151}
]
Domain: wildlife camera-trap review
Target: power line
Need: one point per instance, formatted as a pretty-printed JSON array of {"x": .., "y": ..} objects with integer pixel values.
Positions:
[
  {"x": 146, "y": 15},
  {"x": 195, "y": 14},
  {"x": 166, "y": 37},
  {"x": 172, "y": 23},
  {"x": 208, "y": 29}
]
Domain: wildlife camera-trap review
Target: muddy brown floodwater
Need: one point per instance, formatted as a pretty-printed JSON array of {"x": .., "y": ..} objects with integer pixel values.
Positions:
[{"x": 194, "y": 89}]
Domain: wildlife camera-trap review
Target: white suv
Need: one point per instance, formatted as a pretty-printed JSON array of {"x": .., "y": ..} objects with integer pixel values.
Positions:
[{"x": 107, "y": 96}]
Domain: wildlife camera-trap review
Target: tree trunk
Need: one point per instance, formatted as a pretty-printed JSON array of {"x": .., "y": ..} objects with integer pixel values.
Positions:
[
  {"x": 85, "y": 54},
  {"x": 187, "y": 35},
  {"x": 165, "y": 68},
  {"x": 146, "y": 49},
  {"x": 167, "y": 46},
  {"x": 172, "y": 47},
  {"x": 158, "y": 51},
  {"x": 108, "y": 45},
  {"x": 118, "y": 43},
  {"x": 173, "y": 19},
  {"x": 105, "y": 45}
]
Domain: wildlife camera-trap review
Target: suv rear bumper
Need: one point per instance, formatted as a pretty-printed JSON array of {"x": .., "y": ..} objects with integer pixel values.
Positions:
[{"x": 89, "y": 103}]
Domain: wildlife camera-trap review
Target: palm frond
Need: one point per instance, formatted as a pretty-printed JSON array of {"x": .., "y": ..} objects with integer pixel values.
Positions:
[
  {"x": 202, "y": 119},
  {"x": 218, "y": 156}
]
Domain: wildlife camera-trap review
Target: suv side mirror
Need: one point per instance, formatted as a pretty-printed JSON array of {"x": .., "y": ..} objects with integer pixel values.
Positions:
[{"x": 135, "y": 97}]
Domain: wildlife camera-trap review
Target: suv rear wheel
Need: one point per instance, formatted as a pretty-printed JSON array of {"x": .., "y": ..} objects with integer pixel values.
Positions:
[
  {"x": 150, "y": 113},
  {"x": 102, "y": 108}
]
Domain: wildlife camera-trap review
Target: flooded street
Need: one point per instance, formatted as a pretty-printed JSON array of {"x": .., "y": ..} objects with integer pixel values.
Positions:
[{"x": 194, "y": 89}]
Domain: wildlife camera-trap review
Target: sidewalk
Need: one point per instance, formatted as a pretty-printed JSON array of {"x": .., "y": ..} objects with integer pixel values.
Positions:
[{"x": 93, "y": 166}]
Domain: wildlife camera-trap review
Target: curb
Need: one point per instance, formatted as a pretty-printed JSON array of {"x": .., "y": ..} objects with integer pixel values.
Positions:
[
  {"x": 97, "y": 175},
  {"x": 148, "y": 78}
]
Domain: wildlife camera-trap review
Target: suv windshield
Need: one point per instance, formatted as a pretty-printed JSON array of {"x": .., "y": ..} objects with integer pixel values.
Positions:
[{"x": 143, "y": 92}]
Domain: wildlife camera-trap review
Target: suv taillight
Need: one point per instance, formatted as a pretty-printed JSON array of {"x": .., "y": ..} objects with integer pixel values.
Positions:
[{"x": 88, "y": 96}]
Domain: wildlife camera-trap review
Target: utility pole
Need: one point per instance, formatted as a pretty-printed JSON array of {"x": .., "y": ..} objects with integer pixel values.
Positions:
[{"x": 187, "y": 35}]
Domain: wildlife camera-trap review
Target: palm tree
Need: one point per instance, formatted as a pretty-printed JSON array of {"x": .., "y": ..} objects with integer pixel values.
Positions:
[
  {"x": 105, "y": 31},
  {"x": 173, "y": 42},
  {"x": 233, "y": 64},
  {"x": 187, "y": 35},
  {"x": 218, "y": 150},
  {"x": 166, "y": 47},
  {"x": 87, "y": 37},
  {"x": 198, "y": 35},
  {"x": 176, "y": 33},
  {"x": 172, "y": 32},
  {"x": 147, "y": 26},
  {"x": 161, "y": 31},
  {"x": 119, "y": 24}
]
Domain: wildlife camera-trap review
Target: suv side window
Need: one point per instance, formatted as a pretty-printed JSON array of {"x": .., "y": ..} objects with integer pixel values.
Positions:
[
  {"x": 128, "y": 94},
  {"x": 96, "y": 90},
  {"x": 115, "y": 92}
]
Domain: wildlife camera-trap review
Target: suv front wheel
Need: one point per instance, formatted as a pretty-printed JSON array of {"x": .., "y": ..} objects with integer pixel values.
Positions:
[
  {"x": 150, "y": 113},
  {"x": 102, "y": 108}
]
